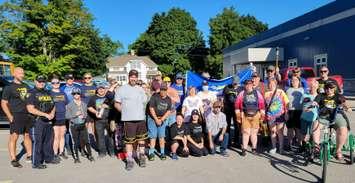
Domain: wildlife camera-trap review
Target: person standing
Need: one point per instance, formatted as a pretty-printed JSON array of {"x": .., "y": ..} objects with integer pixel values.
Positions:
[
  {"x": 131, "y": 100},
  {"x": 207, "y": 97},
  {"x": 324, "y": 79},
  {"x": 180, "y": 88},
  {"x": 13, "y": 104},
  {"x": 41, "y": 105},
  {"x": 60, "y": 101},
  {"x": 190, "y": 103}
]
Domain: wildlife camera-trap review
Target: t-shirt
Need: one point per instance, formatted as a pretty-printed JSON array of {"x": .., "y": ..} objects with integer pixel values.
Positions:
[
  {"x": 60, "y": 100},
  {"x": 68, "y": 91},
  {"x": 295, "y": 97},
  {"x": 323, "y": 82},
  {"x": 87, "y": 92},
  {"x": 160, "y": 105},
  {"x": 216, "y": 122},
  {"x": 133, "y": 100},
  {"x": 16, "y": 95},
  {"x": 328, "y": 104},
  {"x": 229, "y": 95},
  {"x": 96, "y": 102},
  {"x": 309, "y": 113},
  {"x": 191, "y": 103},
  {"x": 278, "y": 104},
  {"x": 180, "y": 89},
  {"x": 42, "y": 101},
  {"x": 195, "y": 131},
  {"x": 176, "y": 131},
  {"x": 207, "y": 101}
]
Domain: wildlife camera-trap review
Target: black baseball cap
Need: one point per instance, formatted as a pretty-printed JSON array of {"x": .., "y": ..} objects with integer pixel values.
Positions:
[
  {"x": 69, "y": 76},
  {"x": 133, "y": 72},
  {"x": 195, "y": 112},
  {"x": 41, "y": 78}
]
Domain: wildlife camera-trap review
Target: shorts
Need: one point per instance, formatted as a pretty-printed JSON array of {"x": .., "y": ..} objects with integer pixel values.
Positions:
[
  {"x": 277, "y": 121},
  {"x": 89, "y": 119},
  {"x": 306, "y": 127},
  {"x": 21, "y": 124},
  {"x": 294, "y": 117},
  {"x": 171, "y": 119},
  {"x": 59, "y": 122},
  {"x": 155, "y": 131},
  {"x": 135, "y": 131},
  {"x": 339, "y": 120},
  {"x": 251, "y": 122}
]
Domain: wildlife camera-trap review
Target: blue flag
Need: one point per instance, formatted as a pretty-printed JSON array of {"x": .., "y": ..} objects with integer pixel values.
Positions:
[
  {"x": 245, "y": 74},
  {"x": 193, "y": 79}
]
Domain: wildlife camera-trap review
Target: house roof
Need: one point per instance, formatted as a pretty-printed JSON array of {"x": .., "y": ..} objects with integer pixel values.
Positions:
[{"x": 124, "y": 59}]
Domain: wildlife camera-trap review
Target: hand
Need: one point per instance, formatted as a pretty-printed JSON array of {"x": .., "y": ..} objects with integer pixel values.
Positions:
[
  {"x": 277, "y": 70},
  {"x": 97, "y": 115},
  {"x": 81, "y": 116},
  {"x": 11, "y": 119},
  {"x": 158, "y": 122},
  {"x": 49, "y": 116},
  {"x": 211, "y": 145},
  {"x": 78, "y": 113},
  {"x": 104, "y": 106},
  {"x": 220, "y": 138},
  {"x": 200, "y": 145},
  {"x": 186, "y": 149}
]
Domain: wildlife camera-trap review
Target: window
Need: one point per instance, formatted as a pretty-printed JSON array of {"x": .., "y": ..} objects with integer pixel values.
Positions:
[
  {"x": 319, "y": 61},
  {"x": 292, "y": 62},
  {"x": 121, "y": 78},
  {"x": 135, "y": 64}
]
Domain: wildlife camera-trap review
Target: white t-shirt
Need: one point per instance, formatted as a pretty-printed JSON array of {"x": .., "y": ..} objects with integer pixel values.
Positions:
[{"x": 191, "y": 103}]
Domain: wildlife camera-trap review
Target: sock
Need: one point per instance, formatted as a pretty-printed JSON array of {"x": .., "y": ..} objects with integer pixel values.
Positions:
[
  {"x": 151, "y": 151},
  {"x": 162, "y": 151},
  {"x": 129, "y": 156}
]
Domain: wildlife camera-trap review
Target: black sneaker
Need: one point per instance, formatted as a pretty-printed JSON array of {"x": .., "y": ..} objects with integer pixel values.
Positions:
[
  {"x": 57, "y": 158},
  {"x": 40, "y": 166},
  {"x": 77, "y": 160},
  {"x": 91, "y": 158},
  {"x": 253, "y": 151},
  {"x": 163, "y": 157},
  {"x": 54, "y": 161},
  {"x": 142, "y": 161},
  {"x": 28, "y": 159},
  {"x": 129, "y": 165},
  {"x": 16, "y": 164},
  {"x": 151, "y": 157},
  {"x": 244, "y": 152},
  {"x": 63, "y": 156}
]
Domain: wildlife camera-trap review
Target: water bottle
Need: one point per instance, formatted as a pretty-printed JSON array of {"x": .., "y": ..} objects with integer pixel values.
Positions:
[{"x": 101, "y": 112}]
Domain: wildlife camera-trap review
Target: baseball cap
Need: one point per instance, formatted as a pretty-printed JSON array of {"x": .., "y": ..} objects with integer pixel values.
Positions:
[
  {"x": 101, "y": 85},
  {"x": 75, "y": 91},
  {"x": 179, "y": 76},
  {"x": 271, "y": 68},
  {"x": 155, "y": 85},
  {"x": 195, "y": 112},
  {"x": 167, "y": 79},
  {"x": 41, "y": 78},
  {"x": 69, "y": 76},
  {"x": 133, "y": 72},
  {"x": 164, "y": 86}
]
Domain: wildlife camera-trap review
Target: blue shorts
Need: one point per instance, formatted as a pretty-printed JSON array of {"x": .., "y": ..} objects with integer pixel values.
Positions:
[{"x": 155, "y": 131}]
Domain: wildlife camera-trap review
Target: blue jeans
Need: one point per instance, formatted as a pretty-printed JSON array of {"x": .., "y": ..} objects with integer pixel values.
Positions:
[
  {"x": 155, "y": 131},
  {"x": 223, "y": 144}
]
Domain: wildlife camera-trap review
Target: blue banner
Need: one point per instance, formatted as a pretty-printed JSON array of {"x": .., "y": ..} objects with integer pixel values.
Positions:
[
  {"x": 245, "y": 75},
  {"x": 193, "y": 79}
]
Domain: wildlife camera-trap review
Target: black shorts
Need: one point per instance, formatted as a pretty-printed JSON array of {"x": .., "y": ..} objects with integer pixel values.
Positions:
[
  {"x": 21, "y": 124},
  {"x": 59, "y": 122},
  {"x": 89, "y": 119},
  {"x": 135, "y": 131},
  {"x": 294, "y": 119}
]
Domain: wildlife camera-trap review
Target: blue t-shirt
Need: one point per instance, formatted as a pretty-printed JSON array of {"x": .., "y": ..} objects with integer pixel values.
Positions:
[
  {"x": 87, "y": 92},
  {"x": 68, "y": 91},
  {"x": 311, "y": 115},
  {"x": 60, "y": 100},
  {"x": 181, "y": 91}
]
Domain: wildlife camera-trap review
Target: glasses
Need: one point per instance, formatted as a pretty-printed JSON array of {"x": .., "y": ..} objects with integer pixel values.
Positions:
[
  {"x": 87, "y": 77},
  {"x": 55, "y": 83},
  {"x": 296, "y": 71},
  {"x": 76, "y": 93},
  {"x": 270, "y": 70},
  {"x": 323, "y": 71},
  {"x": 217, "y": 107},
  {"x": 179, "y": 78},
  {"x": 41, "y": 82}
]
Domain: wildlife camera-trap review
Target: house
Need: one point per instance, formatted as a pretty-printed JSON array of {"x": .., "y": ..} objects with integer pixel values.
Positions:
[
  {"x": 118, "y": 67},
  {"x": 324, "y": 36}
]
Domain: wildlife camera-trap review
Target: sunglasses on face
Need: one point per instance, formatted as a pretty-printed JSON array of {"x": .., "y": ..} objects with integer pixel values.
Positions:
[
  {"x": 55, "y": 83},
  {"x": 296, "y": 71},
  {"x": 217, "y": 107},
  {"x": 76, "y": 93},
  {"x": 87, "y": 77},
  {"x": 324, "y": 71}
]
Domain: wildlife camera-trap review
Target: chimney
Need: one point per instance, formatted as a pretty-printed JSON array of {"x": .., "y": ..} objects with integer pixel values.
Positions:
[{"x": 133, "y": 53}]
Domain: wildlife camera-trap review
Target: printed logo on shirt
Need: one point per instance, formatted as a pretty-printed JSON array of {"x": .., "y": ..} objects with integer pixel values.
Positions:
[
  {"x": 89, "y": 93},
  {"x": 45, "y": 98},
  {"x": 330, "y": 104},
  {"x": 59, "y": 98},
  {"x": 197, "y": 129},
  {"x": 162, "y": 106},
  {"x": 23, "y": 93},
  {"x": 99, "y": 102}
]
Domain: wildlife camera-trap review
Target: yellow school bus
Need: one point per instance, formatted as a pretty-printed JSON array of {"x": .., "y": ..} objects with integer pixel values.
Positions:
[{"x": 6, "y": 68}]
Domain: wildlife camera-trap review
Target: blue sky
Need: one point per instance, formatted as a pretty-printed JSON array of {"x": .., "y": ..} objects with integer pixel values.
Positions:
[{"x": 125, "y": 20}]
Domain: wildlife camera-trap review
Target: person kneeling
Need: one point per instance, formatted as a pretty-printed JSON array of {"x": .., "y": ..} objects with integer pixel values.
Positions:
[
  {"x": 217, "y": 127},
  {"x": 178, "y": 138}
]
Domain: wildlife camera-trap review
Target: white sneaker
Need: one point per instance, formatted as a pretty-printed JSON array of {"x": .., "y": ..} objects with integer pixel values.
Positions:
[{"x": 272, "y": 151}]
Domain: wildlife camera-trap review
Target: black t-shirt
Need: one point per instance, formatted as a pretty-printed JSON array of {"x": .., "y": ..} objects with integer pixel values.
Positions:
[
  {"x": 195, "y": 131},
  {"x": 230, "y": 94},
  {"x": 96, "y": 102},
  {"x": 160, "y": 105},
  {"x": 41, "y": 100},
  {"x": 176, "y": 131},
  {"x": 16, "y": 95},
  {"x": 327, "y": 105},
  {"x": 323, "y": 82}
]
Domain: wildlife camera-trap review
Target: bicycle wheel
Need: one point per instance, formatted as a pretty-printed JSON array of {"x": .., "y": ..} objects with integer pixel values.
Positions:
[
  {"x": 324, "y": 162},
  {"x": 351, "y": 149}
]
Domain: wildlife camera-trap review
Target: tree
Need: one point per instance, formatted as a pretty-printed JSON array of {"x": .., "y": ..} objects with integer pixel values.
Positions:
[
  {"x": 53, "y": 37},
  {"x": 172, "y": 41},
  {"x": 226, "y": 29}
]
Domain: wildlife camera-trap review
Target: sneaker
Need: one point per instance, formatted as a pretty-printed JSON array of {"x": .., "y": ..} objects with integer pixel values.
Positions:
[
  {"x": 151, "y": 157},
  {"x": 163, "y": 157},
  {"x": 142, "y": 161},
  {"x": 28, "y": 159},
  {"x": 63, "y": 156},
  {"x": 82, "y": 153},
  {"x": 224, "y": 153},
  {"x": 90, "y": 158},
  {"x": 253, "y": 151},
  {"x": 40, "y": 166},
  {"x": 77, "y": 160},
  {"x": 54, "y": 161},
  {"x": 287, "y": 148},
  {"x": 101, "y": 156},
  {"x": 57, "y": 158},
  {"x": 16, "y": 164},
  {"x": 174, "y": 156},
  {"x": 244, "y": 152},
  {"x": 69, "y": 153},
  {"x": 129, "y": 165},
  {"x": 272, "y": 151}
]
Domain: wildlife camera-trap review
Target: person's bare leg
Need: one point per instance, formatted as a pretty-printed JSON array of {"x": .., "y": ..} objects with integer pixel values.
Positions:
[
  {"x": 341, "y": 136},
  {"x": 28, "y": 144},
  {"x": 254, "y": 137},
  {"x": 62, "y": 131},
  {"x": 56, "y": 139},
  {"x": 246, "y": 137},
  {"x": 273, "y": 135},
  {"x": 174, "y": 147},
  {"x": 12, "y": 145},
  {"x": 316, "y": 132}
]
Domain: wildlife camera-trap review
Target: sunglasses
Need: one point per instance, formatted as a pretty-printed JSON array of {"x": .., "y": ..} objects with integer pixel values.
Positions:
[
  {"x": 296, "y": 71},
  {"x": 323, "y": 71},
  {"x": 76, "y": 93},
  {"x": 217, "y": 107},
  {"x": 70, "y": 79},
  {"x": 87, "y": 77},
  {"x": 270, "y": 70},
  {"x": 55, "y": 83}
]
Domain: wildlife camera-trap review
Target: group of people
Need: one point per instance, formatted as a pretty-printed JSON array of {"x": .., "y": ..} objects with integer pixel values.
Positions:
[{"x": 73, "y": 119}]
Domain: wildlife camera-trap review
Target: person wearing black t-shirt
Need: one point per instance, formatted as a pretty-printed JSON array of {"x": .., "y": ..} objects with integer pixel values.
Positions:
[
  {"x": 99, "y": 107},
  {"x": 324, "y": 71},
  {"x": 41, "y": 105},
  {"x": 13, "y": 104},
  {"x": 178, "y": 138},
  {"x": 195, "y": 136}
]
